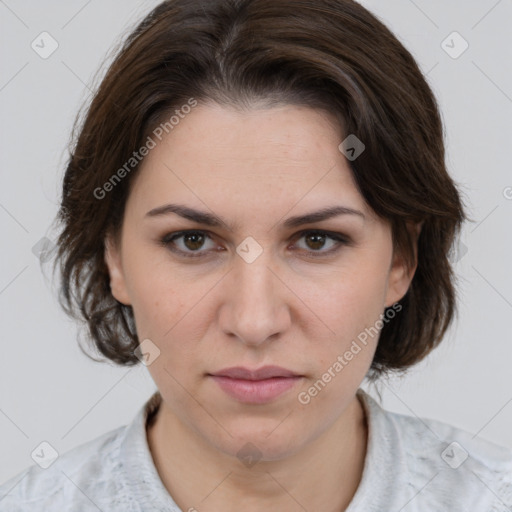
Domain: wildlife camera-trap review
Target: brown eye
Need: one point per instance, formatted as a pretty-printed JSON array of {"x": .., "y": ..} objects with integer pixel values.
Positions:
[
  {"x": 193, "y": 241},
  {"x": 189, "y": 243},
  {"x": 315, "y": 241}
]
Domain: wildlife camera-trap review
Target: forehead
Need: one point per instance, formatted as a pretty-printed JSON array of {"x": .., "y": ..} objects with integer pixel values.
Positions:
[
  {"x": 284, "y": 134},
  {"x": 266, "y": 156}
]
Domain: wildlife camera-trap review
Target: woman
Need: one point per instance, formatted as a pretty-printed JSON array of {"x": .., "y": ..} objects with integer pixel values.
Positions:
[{"x": 257, "y": 208}]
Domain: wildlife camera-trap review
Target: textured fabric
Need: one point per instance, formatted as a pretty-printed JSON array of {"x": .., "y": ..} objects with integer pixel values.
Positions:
[{"x": 411, "y": 465}]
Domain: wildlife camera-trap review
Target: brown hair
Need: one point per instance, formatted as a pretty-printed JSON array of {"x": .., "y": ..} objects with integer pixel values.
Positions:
[{"x": 332, "y": 55}]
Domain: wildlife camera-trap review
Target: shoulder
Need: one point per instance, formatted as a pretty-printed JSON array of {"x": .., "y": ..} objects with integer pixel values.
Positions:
[
  {"x": 443, "y": 466},
  {"x": 114, "y": 472},
  {"x": 72, "y": 480}
]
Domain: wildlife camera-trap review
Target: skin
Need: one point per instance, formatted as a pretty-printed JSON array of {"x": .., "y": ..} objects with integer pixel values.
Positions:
[{"x": 287, "y": 308}]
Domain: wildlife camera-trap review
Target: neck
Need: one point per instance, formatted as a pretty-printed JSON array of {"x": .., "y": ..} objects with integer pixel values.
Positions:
[{"x": 323, "y": 475}]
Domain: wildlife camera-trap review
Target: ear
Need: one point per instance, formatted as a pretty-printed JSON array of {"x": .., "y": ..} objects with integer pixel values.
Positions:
[
  {"x": 400, "y": 275},
  {"x": 115, "y": 269}
]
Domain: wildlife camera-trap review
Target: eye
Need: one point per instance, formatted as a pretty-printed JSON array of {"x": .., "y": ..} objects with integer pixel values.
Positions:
[
  {"x": 187, "y": 243},
  {"x": 193, "y": 244},
  {"x": 317, "y": 240}
]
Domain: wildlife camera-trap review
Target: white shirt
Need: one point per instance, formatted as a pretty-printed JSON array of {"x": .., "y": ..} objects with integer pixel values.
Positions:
[{"x": 410, "y": 466}]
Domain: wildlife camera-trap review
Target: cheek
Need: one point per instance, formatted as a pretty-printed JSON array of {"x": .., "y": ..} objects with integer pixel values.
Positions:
[
  {"x": 159, "y": 298},
  {"x": 350, "y": 300},
  {"x": 174, "y": 314},
  {"x": 351, "y": 309},
  {"x": 350, "y": 305},
  {"x": 166, "y": 316}
]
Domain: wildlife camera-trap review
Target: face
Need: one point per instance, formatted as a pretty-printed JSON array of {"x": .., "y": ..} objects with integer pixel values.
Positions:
[{"x": 244, "y": 285}]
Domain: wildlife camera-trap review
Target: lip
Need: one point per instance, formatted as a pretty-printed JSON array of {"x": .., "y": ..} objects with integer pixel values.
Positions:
[
  {"x": 257, "y": 386},
  {"x": 265, "y": 372}
]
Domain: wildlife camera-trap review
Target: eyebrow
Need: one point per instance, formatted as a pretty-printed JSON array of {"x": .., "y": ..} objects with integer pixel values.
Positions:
[{"x": 209, "y": 219}]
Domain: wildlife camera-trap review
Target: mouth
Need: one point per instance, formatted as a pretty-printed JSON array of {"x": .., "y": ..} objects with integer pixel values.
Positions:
[{"x": 257, "y": 386}]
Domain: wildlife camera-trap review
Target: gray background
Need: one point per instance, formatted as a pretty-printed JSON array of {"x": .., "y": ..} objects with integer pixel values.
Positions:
[{"x": 49, "y": 391}]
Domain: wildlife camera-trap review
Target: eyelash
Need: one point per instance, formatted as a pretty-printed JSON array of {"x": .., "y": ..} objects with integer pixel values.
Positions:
[{"x": 168, "y": 241}]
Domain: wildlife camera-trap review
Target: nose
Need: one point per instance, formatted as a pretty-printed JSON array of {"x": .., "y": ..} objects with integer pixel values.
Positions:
[{"x": 256, "y": 308}]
